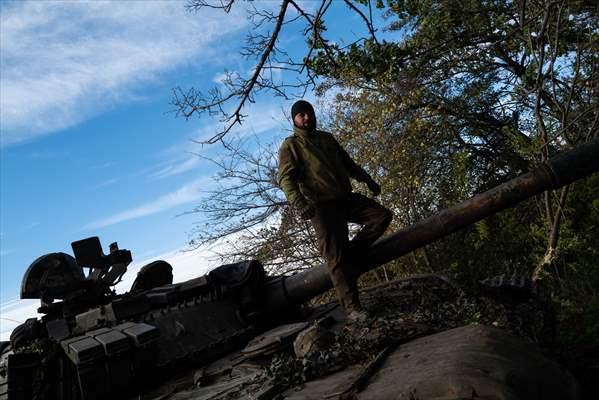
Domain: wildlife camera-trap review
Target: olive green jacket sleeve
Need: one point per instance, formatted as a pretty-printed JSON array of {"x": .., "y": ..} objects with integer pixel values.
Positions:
[
  {"x": 353, "y": 169},
  {"x": 289, "y": 174}
]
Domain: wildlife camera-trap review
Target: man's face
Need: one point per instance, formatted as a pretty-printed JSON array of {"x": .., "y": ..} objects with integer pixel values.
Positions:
[{"x": 303, "y": 120}]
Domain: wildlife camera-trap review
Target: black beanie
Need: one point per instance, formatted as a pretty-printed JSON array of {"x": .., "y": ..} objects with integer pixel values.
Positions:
[{"x": 305, "y": 107}]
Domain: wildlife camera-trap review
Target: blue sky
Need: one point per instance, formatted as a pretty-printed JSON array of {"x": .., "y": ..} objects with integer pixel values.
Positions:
[{"x": 88, "y": 146}]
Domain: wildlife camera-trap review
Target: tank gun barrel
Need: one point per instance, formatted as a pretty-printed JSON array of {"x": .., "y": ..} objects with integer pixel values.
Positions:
[{"x": 559, "y": 171}]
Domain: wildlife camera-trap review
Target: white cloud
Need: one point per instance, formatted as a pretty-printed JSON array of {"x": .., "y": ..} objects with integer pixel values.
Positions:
[
  {"x": 48, "y": 155},
  {"x": 15, "y": 312},
  {"x": 107, "y": 182},
  {"x": 186, "y": 194},
  {"x": 103, "y": 165},
  {"x": 63, "y": 62},
  {"x": 177, "y": 168}
]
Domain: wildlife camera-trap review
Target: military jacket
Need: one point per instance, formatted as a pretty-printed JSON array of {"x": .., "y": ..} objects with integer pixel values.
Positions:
[{"x": 313, "y": 167}]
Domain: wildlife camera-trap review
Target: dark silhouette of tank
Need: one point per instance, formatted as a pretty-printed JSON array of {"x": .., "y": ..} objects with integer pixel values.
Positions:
[
  {"x": 93, "y": 344},
  {"x": 97, "y": 344}
]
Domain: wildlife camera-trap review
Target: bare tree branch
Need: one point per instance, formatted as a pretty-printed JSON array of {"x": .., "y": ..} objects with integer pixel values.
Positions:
[
  {"x": 197, "y": 5},
  {"x": 367, "y": 21},
  {"x": 192, "y": 102}
]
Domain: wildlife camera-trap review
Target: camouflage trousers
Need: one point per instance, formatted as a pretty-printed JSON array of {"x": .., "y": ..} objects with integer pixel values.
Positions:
[{"x": 343, "y": 256}]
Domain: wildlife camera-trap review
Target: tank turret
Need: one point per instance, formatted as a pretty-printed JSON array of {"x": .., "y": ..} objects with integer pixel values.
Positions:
[{"x": 98, "y": 344}]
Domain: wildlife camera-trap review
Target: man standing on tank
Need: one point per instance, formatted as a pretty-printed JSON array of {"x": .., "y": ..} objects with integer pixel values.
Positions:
[{"x": 314, "y": 172}]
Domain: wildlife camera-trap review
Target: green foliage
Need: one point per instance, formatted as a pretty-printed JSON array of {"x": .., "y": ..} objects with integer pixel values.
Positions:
[
  {"x": 472, "y": 94},
  {"x": 477, "y": 92},
  {"x": 578, "y": 323}
]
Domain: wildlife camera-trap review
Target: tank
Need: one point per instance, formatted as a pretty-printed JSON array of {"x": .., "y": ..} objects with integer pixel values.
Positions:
[{"x": 92, "y": 343}]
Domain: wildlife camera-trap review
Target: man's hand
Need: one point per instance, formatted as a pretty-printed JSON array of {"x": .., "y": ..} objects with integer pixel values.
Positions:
[
  {"x": 374, "y": 187},
  {"x": 306, "y": 212}
]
